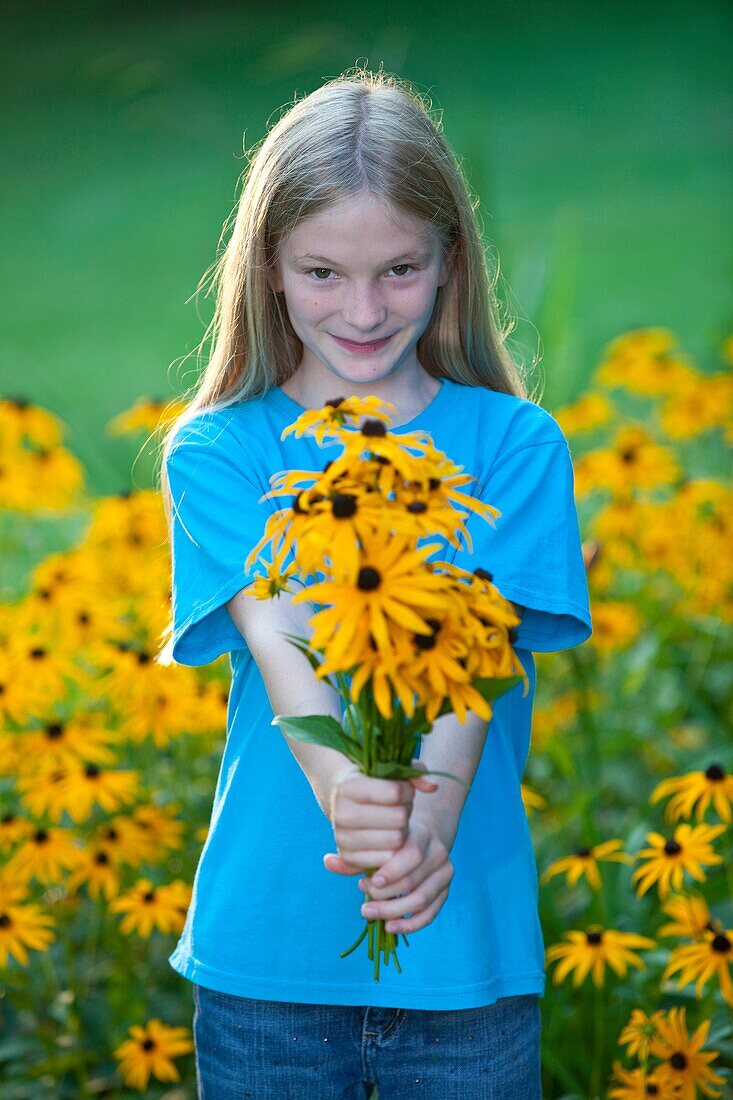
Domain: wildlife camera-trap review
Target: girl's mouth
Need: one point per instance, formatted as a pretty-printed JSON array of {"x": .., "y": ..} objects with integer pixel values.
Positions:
[{"x": 363, "y": 349}]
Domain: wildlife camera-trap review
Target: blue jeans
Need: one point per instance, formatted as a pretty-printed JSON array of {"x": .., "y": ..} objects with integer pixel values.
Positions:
[{"x": 290, "y": 1051}]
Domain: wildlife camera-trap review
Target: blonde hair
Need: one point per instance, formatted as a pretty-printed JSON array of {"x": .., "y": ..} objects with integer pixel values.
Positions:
[{"x": 361, "y": 132}]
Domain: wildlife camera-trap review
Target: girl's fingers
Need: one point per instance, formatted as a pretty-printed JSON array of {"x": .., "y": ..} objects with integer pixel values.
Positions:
[
  {"x": 336, "y": 863},
  {"x": 418, "y": 920},
  {"x": 417, "y": 899},
  {"x": 426, "y": 785},
  {"x": 401, "y": 863}
]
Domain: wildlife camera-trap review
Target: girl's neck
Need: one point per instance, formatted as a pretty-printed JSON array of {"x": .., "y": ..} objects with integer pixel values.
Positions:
[{"x": 409, "y": 394}]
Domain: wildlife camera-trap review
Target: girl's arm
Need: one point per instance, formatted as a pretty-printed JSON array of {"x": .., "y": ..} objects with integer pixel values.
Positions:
[
  {"x": 291, "y": 685},
  {"x": 369, "y": 815}
]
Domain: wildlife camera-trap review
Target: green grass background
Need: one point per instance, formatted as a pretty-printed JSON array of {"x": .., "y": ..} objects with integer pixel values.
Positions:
[{"x": 597, "y": 137}]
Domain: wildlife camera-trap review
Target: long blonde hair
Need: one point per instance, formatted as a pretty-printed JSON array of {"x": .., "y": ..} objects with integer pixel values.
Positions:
[{"x": 363, "y": 131}]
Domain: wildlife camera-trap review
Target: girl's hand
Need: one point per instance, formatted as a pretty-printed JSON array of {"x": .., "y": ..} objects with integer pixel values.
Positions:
[
  {"x": 370, "y": 818},
  {"x": 417, "y": 881}
]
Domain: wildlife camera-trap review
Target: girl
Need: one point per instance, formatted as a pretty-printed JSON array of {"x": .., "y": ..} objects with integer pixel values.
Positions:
[{"x": 356, "y": 267}]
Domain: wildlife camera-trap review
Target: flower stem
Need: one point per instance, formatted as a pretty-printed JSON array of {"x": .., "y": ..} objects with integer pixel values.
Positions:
[{"x": 595, "y": 1083}]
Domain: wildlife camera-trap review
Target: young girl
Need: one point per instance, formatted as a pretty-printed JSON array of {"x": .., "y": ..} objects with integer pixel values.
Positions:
[{"x": 356, "y": 267}]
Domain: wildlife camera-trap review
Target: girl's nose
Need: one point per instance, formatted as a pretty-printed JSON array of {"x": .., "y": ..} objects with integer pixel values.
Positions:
[{"x": 365, "y": 312}]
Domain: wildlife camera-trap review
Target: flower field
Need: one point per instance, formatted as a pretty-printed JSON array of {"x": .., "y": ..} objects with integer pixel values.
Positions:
[{"x": 108, "y": 760}]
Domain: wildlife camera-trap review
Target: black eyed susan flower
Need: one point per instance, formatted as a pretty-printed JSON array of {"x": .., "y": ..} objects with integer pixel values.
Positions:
[
  {"x": 584, "y": 862},
  {"x": 639, "y": 1032},
  {"x": 44, "y": 854},
  {"x": 23, "y": 925},
  {"x": 336, "y": 414},
  {"x": 531, "y": 799},
  {"x": 709, "y": 958},
  {"x": 148, "y": 907},
  {"x": 698, "y": 788},
  {"x": 146, "y": 414},
  {"x": 668, "y": 858},
  {"x": 390, "y": 585},
  {"x": 594, "y": 949},
  {"x": 635, "y": 1084},
  {"x": 691, "y": 917},
  {"x": 150, "y": 1052},
  {"x": 684, "y": 1063}
]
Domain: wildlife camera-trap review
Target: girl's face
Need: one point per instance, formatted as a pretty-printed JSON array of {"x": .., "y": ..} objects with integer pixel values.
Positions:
[{"x": 360, "y": 271}]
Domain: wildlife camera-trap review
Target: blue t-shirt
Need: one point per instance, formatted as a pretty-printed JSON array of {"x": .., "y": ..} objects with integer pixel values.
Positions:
[{"x": 266, "y": 919}]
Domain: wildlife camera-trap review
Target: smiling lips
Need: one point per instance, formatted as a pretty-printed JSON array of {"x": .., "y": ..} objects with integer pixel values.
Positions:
[{"x": 362, "y": 349}]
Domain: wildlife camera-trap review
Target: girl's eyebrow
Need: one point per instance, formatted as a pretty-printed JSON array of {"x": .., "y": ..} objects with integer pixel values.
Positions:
[{"x": 420, "y": 256}]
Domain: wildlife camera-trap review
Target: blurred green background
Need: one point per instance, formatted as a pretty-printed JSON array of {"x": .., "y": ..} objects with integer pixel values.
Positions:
[{"x": 597, "y": 137}]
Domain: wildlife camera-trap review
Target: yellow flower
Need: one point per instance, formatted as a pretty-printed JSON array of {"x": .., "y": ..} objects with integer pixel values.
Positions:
[
  {"x": 150, "y": 1051},
  {"x": 698, "y": 962},
  {"x": 391, "y": 585},
  {"x": 531, "y": 799},
  {"x": 593, "y": 950},
  {"x": 697, "y": 402},
  {"x": 328, "y": 421},
  {"x": 712, "y": 785},
  {"x": 634, "y": 460},
  {"x": 583, "y": 862},
  {"x": 642, "y": 361},
  {"x": 685, "y": 1066},
  {"x": 667, "y": 859},
  {"x": 615, "y": 625},
  {"x": 691, "y": 917},
  {"x": 43, "y": 854},
  {"x": 638, "y": 1033},
  {"x": 22, "y": 926},
  {"x": 146, "y": 414},
  {"x": 592, "y": 410},
  {"x": 635, "y": 1084},
  {"x": 148, "y": 907}
]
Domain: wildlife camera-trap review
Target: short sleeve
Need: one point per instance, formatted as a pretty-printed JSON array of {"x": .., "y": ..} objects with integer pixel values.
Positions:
[
  {"x": 534, "y": 551},
  {"x": 216, "y": 519}
]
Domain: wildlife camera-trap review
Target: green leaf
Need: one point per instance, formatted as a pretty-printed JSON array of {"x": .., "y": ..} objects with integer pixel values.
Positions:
[
  {"x": 300, "y": 644},
  {"x": 319, "y": 729},
  {"x": 387, "y": 770}
]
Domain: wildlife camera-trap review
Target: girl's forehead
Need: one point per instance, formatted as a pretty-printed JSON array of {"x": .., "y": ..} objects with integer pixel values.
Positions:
[{"x": 356, "y": 227}]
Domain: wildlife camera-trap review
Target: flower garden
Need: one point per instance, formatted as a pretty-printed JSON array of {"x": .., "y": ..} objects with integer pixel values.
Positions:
[{"x": 108, "y": 759}]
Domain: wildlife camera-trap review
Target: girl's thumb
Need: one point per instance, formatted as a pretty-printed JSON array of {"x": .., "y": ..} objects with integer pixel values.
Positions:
[{"x": 425, "y": 785}]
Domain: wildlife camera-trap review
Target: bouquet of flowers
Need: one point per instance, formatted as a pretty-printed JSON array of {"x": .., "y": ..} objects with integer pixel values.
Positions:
[{"x": 401, "y": 638}]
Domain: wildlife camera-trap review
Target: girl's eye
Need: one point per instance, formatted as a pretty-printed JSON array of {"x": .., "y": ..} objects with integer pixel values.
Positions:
[{"x": 313, "y": 270}]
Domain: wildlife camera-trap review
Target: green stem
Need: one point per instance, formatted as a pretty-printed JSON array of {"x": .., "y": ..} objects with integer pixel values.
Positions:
[
  {"x": 592, "y": 757},
  {"x": 595, "y": 1082}
]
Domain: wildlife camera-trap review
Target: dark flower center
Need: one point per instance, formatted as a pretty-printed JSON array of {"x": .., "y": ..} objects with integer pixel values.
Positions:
[
  {"x": 672, "y": 848},
  {"x": 149, "y": 896},
  {"x": 483, "y": 574},
  {"x": 678, "y": 1060},
  {"x": 417, "y": 506},
  {"x": 594, "y": 938},
  {"x": 91, "y": 771},
  {"x": 427, "y": 641},
  {"x": 143, "y": 657},
  {"x": 583, "y": 853},
  {"x": 343, "y": 505},
  {"x": 373, "y": 428},
  {"x": 148, "y": 1044},
  {"x": 369, "y": 579},
  {"x": 721, "y": 943},
  {"x": 651, "y": 1089},
  {"x": 335, "y": 402},
  {"x": 54, "y": 730},
  {"x": 715, "y": 772},
  {"x": 101, "y": 858}
]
